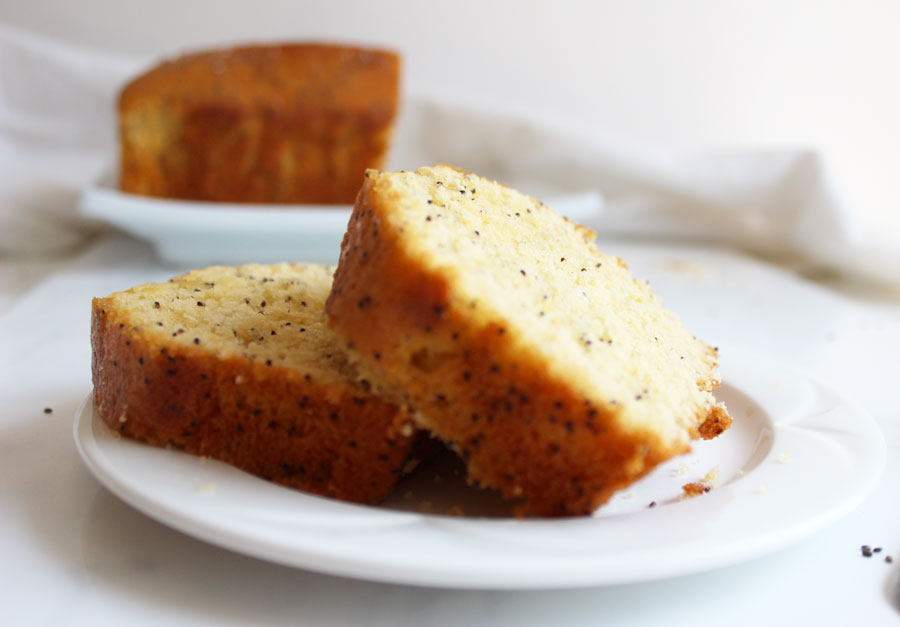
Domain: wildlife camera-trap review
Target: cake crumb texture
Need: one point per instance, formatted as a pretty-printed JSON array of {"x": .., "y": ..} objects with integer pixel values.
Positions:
[{"x": 555, "y": 375}]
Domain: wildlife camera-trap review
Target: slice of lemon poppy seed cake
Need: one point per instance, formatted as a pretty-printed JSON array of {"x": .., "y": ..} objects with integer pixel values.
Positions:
[
  {"x": 237, "y": 363},
  {"x": 556, "y": 376}
]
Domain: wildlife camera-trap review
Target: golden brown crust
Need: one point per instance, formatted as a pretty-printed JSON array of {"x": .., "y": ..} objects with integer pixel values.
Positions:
[
  {"x": 293, "y": 123},
  {"x": 271, "y": 421},
  {"x": 519, "y": 429}
]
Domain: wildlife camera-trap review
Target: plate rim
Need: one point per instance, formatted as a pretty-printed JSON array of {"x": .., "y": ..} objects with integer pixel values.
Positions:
[
  {"x": 189, "y": 232},
  {"x": 101, "y": 201}
]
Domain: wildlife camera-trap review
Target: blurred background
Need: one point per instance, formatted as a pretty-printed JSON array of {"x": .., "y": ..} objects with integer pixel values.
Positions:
[{"x": 689, "y": 76}]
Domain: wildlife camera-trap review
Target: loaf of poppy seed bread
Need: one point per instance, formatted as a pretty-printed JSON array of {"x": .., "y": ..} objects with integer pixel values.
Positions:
[
  {"x": 555, "y": 375},
  {"x": 237, "y": 364},
  {"x": 293, "y": 123}
]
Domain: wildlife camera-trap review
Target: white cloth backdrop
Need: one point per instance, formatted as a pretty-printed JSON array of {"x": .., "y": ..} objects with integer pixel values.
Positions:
[{"x": 57, "y": 136}]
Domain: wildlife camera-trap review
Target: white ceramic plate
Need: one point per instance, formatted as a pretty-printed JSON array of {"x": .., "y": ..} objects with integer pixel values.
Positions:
[
  {"x": 797, "y": 457},
  {"x": 203, "y": 233}
]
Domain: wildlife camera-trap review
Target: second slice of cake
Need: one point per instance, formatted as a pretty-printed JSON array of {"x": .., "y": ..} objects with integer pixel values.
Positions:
[
  {"x": 556, "y": 376},
  {"x": 237, "y": 364}
]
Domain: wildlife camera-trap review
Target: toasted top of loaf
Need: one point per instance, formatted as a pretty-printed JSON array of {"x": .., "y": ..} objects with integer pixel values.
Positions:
[
  {"x": 314, "y": 78},
  {"x": 507, "y": 262}
]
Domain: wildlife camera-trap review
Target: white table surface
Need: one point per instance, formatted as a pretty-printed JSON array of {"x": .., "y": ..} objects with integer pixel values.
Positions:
[{"x": 73, "y": 554}]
